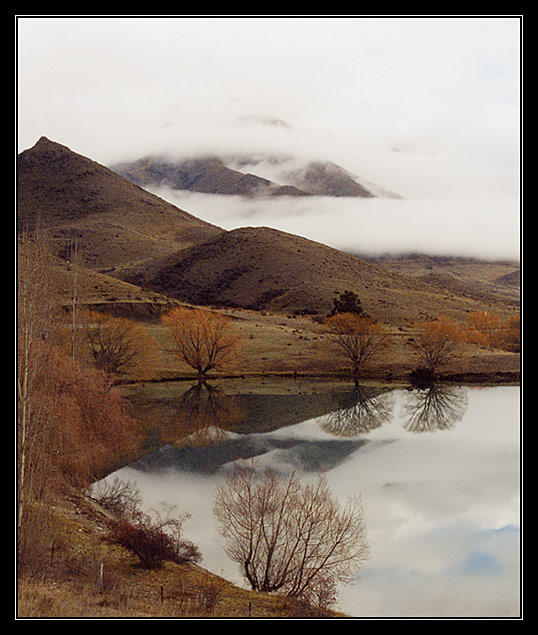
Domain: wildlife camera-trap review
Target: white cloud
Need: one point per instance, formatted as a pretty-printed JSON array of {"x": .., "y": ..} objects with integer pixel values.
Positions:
[{"x": 427, "y": 107}]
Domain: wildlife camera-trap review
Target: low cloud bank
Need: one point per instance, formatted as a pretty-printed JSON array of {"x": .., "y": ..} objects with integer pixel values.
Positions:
[{"x": 472, "y": 227}]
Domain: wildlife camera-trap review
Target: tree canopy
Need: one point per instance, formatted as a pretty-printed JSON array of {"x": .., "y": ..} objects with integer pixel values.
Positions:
[
  {"x": 347, "y": 302},
  {"x": 204, "y": 340},
  {"x": 287, "y": 535}
]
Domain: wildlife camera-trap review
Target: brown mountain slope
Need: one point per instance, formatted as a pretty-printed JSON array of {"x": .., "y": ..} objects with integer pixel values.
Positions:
[
  {"x": 482, "y": 279},
  {"x": 314, "y": 176},
  {"x": 137, "y": 237},
  {"x": 267, "y": 269},
  {"x": 206, "y": 175},
  {"x": 249, "y": 175},
  {"x": 115, "y": 222}
]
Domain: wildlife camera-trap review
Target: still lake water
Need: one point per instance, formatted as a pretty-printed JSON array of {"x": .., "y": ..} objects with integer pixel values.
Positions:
[{"x": 438, "y": 471}]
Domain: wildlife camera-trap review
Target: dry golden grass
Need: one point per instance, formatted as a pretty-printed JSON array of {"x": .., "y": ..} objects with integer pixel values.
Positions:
[
  {"x": 84, "y": 577},
  {"x": 279, "y": 344}
]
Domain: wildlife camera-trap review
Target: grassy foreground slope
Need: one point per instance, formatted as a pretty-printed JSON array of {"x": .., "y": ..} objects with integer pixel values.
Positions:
[{"x": 84, "y": 577}]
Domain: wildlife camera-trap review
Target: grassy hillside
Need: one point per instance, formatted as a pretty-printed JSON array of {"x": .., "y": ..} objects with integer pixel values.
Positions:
[
  {"x": 113, "y": 221},
  {"x": 82, "y": 576},
  {"x": 267, "y": 269},
  {"x": 481, "y": 279}
]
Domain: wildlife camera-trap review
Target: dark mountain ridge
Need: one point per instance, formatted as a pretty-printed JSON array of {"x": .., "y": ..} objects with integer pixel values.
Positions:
[
  {"x": 206, "y": 175},
  {"x": 138, "y": 238},
  {"x": 246, "y": 175}
]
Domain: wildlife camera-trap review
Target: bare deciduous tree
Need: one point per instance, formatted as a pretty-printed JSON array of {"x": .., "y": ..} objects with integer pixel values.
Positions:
[
  {"x": 289, "y": 536},
  {"x": 117, "y": 344},
  {"x": 35, "y": 335},
  {"x": 358, "y": 338},
  {"x": 204, "y": 340}
]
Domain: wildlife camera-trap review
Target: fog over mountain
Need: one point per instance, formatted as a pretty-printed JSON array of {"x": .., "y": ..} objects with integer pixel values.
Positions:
[{"x": 427, "y": 108}]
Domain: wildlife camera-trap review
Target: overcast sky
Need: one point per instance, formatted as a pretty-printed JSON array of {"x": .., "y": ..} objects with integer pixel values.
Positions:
[{"x": 426, "y": 107}]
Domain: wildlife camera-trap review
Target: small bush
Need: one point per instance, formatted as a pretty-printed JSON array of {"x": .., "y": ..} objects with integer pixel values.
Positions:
[
  {"x": 153, "y": 541},
  {"x": 347, "y": 302}
]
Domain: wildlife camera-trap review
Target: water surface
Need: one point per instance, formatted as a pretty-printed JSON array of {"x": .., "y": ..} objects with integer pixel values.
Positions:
[{"x": 438, "y": 471}]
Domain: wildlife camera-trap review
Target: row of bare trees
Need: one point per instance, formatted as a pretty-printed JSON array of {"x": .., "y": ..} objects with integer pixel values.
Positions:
[{"x": 436, "y": 342}]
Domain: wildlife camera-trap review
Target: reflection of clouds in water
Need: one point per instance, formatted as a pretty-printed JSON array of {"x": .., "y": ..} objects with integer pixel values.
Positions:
[
  {"x": 436, "y": 501},
  {"x": 441, "y": 509},
  {"x": 457, "y": 571}
]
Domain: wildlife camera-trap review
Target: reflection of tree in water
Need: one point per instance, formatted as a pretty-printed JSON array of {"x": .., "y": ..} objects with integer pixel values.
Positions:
[
  {"x": 204, "y": 415},
  {"x": 360, "y": 410},
  {"x": 434, "y": 407}
]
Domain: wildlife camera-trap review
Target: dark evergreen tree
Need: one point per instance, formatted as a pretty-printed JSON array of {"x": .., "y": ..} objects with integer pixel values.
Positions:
[{"x": 348, "y": 302}]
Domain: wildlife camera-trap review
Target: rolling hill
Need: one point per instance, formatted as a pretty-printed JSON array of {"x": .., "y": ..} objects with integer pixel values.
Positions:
[
  {"x": 266, "y": 269},
  {"x": 135, "y": 237},
  {"x": 478, "y": 278}
]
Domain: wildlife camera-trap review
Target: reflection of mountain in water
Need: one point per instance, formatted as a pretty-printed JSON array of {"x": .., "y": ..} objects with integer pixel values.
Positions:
[
  {"x": 310, "y": 455},
  {"x": 207, "y": 427}
]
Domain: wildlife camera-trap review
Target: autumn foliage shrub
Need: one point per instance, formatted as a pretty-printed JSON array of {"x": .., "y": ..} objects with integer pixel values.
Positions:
[
  {"x": 91, "y": 430},
  {"x": 485, "y": 328},
  {"x": 78, "y": 427},
  {"x": 153, "y": 541}
]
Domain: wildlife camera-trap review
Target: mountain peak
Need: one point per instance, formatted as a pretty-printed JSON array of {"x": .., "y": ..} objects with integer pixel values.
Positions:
[
  {"x": 44, "y": 140},
  {"x": 59, "y": 188},
  {"x": 44, "y": 143}
]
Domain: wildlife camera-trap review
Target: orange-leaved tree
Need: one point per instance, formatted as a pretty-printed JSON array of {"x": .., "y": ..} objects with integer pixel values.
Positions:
[
  {"x": 118, "y": 345},
  {"x": 484, "y": 328},
  {"x": 437, "y": 342},
  {"x": 204, "y": 340},
  {"x": 512, "y": 334},
  {"x": 357, "y": 338}
]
